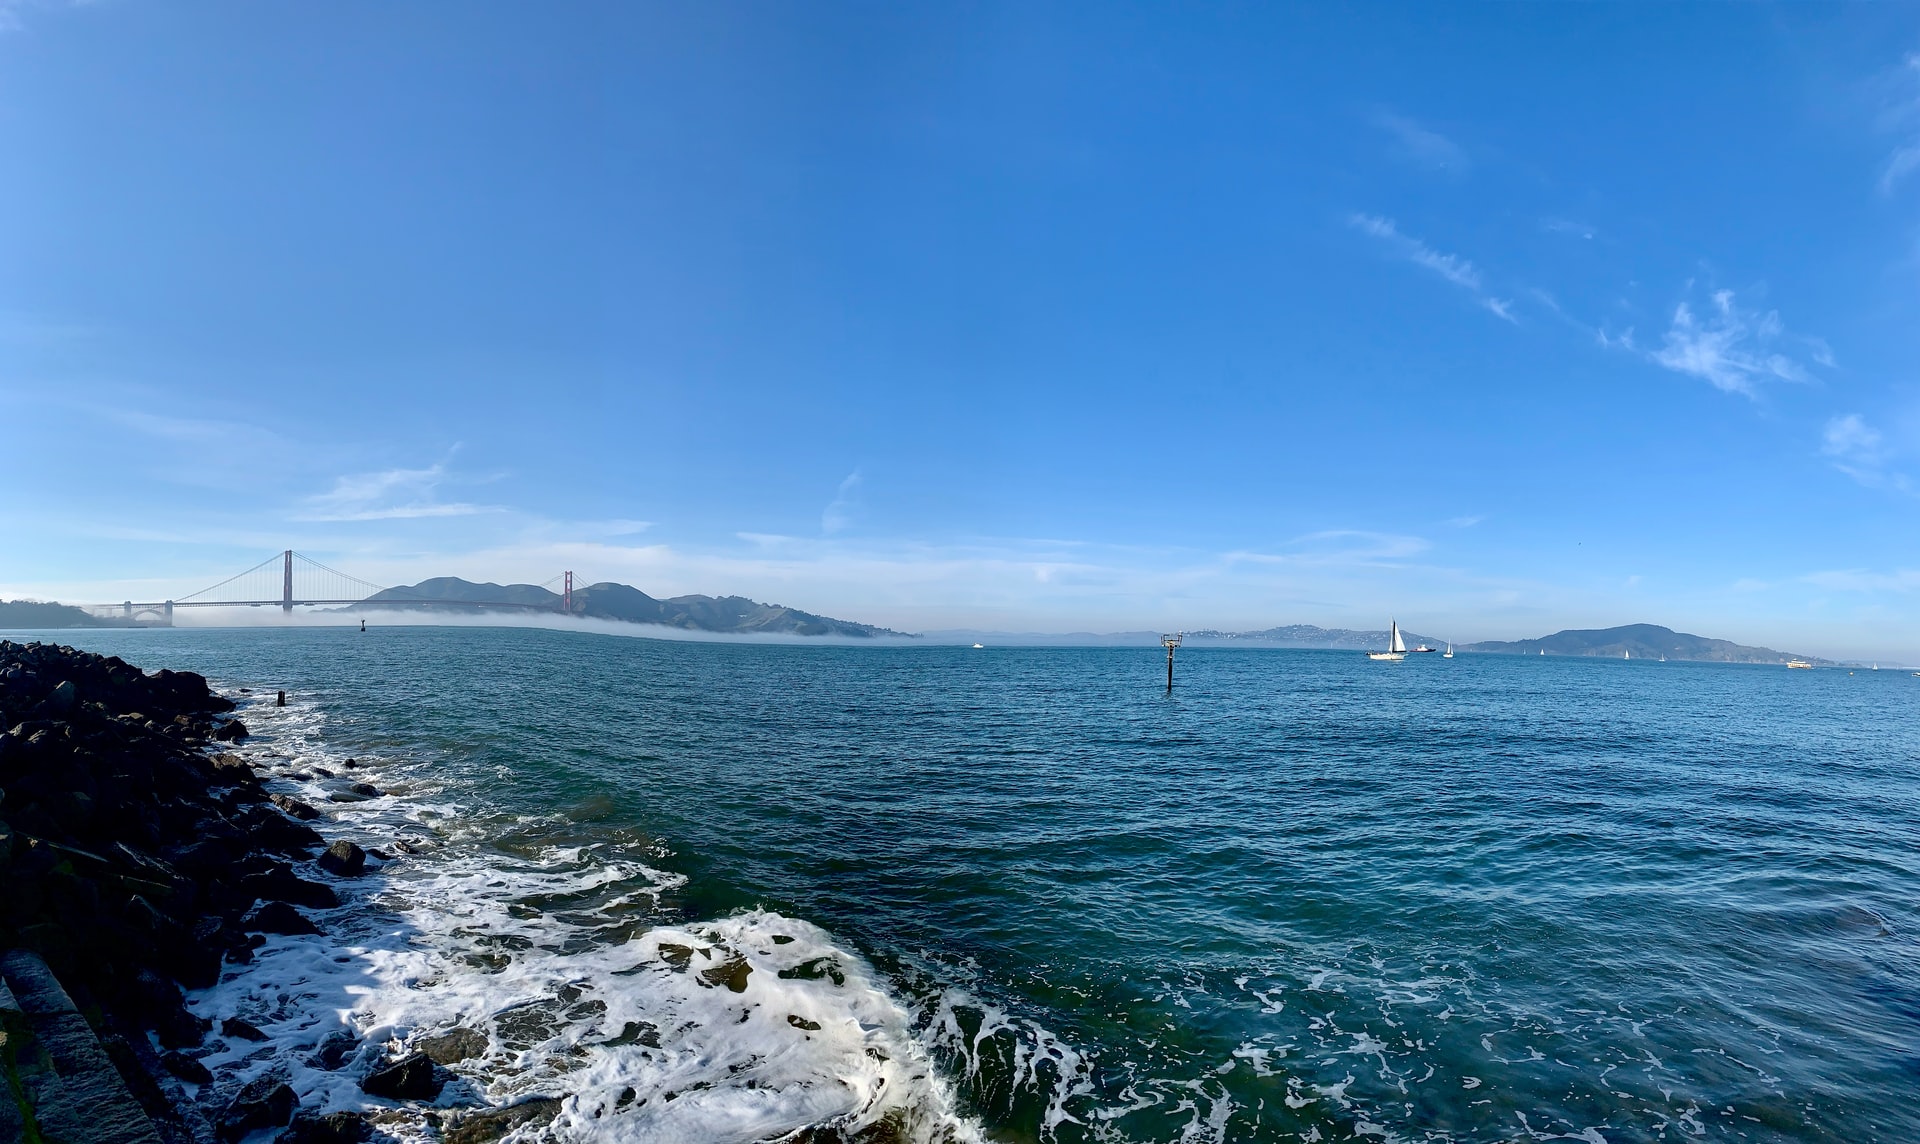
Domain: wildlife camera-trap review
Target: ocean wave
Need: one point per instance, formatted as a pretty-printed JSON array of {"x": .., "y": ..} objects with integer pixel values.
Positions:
[{"x": 556, "y": 973}]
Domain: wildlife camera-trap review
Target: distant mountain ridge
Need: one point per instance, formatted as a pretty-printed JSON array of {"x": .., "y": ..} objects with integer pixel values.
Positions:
[
  {"x": 609, "y": 601},
  {"x": 1645, "y": 641}
]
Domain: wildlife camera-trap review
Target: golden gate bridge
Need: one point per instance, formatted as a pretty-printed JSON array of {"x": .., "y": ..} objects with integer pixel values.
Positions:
[{"x": 289, "y": 580}]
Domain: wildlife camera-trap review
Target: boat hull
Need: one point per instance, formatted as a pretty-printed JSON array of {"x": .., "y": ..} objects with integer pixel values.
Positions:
[{"x": 1387, "y": 656}]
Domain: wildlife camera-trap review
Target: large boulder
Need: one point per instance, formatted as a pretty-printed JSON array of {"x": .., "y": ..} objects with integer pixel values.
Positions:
[
  {"x": 281, "y": 884},
  {"x": 453, "y": 1046},
  {"x": 278, "y": 917},
  {"x": 345, "y": 859},
  {"x": 332, "y": 1128},
  {"x": 294, "y": 806},
  {"x": 412, "y": 1077},
  {"x": 264, "y": 1103},
  {"x": 496, "y": 1123}
]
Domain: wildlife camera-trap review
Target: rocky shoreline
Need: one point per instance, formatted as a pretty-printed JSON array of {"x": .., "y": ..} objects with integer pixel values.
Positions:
[{"x": 141, "y": 858}]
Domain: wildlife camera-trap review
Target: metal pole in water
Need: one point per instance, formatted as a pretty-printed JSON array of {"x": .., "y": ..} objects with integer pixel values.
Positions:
[{"x": 1170, "y": 642}]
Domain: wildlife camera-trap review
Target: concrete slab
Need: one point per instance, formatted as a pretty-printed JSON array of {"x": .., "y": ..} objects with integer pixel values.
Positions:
[{"x": 77, "y": 1096}]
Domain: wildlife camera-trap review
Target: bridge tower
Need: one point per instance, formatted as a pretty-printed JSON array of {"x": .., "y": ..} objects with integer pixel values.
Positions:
[
  {"x": 566, "y": 598},
  {"x": 286, "y": 585}
]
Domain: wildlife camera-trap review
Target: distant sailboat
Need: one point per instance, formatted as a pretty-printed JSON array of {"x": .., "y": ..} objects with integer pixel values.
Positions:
[
  {"x": 1543, "y": 651},
  {"x": 1396, "y": 647},
  {"x": 1449, "y": 654},
  {"x": 979, "y": 645},
  {"x": 1626, "y": 653}
]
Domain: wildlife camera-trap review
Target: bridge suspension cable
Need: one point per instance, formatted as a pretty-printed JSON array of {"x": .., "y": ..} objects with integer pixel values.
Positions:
[{"x": 290, "y": 579}]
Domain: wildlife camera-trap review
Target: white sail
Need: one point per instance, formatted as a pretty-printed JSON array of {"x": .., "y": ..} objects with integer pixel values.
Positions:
[{"x": 1394, "y": 642}]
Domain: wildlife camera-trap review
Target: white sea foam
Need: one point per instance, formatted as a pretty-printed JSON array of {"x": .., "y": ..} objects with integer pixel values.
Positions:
[{"x": 582, "y": 987}]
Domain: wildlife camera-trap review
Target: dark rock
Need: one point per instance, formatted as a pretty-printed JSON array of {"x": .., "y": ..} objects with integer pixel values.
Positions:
[
  {"x": 351, "y": 763},
  {"x": 282, "y": 835},
  {"x": 231, "y": 768},
  {"x": 282, "y": 885},
  {"x": 232, "y": 731},
  {"x": 345, "y": 859},
  {"x": 294, "y": 806},
  {"x": 496, "y": 1123},
  {"x": 333, "y": 1128},
  {"x": 265, "y": 1103},
  {"x": 186, "y": 1068},
  {"x": 180, "y": 1029},
  {"x": 333, "y": 1052},
  {"x": 244, "y": 1030},
  {"x": 412, "y": 1077},
  {"x": 732, "y": 973},
  {"x": 453, "y": 1046},
  {"x": 367, "y": 789},
  {"x": 278, "y": 917},
  {"x": 323, "y": 772},
  {"x": 63, "y": 698}
]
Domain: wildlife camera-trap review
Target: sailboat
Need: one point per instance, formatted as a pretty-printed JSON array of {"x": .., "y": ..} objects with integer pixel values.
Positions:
[
  {"x": 1449, "y": 654},
  {"x": 1396, "y": 647},
  {"x": 1626, "y": 653}
]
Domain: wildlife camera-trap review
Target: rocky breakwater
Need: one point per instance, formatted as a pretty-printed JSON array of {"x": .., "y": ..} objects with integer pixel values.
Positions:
[{"x": 137, "y": 858}]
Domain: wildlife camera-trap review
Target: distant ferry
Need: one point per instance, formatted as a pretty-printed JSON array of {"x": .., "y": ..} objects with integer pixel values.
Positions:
[{"x": 1800, "y": 663}]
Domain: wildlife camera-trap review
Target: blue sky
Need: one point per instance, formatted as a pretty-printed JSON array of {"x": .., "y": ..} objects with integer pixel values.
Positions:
[{"x": 1495, "y": 318}]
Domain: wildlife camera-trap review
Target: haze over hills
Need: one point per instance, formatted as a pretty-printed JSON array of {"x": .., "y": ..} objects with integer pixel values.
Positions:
[
  {"x": 1646, "y": 641},
  {"x": 1307, "y": 635},
  {"x": 739, "y": 615},
  {"x": 608, "y": 601},
  {"x": 44, "y": 614}
]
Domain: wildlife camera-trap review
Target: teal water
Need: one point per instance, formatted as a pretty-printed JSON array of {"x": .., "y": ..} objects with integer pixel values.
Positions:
[{"x": 1303, "y": 897}]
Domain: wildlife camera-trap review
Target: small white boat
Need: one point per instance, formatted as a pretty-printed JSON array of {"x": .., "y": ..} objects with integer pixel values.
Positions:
[
  {"x": 1449, "y": 652},
  {"x": 1396, "y": 647},
  {"x": 1626, "y": 653},
  {"x": 1801, "y": 664},
  {"x": 1543, "y": 651},
  {"x": 979, "y": 645}
]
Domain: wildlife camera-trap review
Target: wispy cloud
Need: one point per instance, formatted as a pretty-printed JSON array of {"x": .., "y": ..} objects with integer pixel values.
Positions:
[
  {"x": 1464, "y": 521},
  {"x": 1901, "y": 117},
  {"x": 1732, "y": 349},
  {"x": 838, "y": 514},
  {"x": 1859, "y": 580},
  {"x": 1567, "y": 226},
  {"x": 1422, "y": 145},
  {"x": 1455, "y": 269},
  {"x": 1335, "y": 547},
  {"x": 1861, "y": 451},
  {"x": 392, "y": 494}
]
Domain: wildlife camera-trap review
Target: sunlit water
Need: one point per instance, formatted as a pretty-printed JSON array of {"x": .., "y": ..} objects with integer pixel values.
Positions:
[{"x": 721, "y": 891}]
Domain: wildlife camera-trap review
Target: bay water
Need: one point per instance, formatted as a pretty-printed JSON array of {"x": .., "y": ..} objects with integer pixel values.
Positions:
[{"x": 710, "y": 891}]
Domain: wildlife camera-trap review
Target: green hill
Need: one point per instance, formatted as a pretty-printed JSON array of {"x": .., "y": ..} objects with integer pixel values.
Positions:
[
  {"x": 45, "y": 614},
  {"x": 1643, "y": 641},
  {"x": 608, "y": 601}
]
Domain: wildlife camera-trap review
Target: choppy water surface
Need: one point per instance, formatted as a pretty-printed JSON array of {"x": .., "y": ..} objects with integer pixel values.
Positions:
[{"x": 716, "y": 891}]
